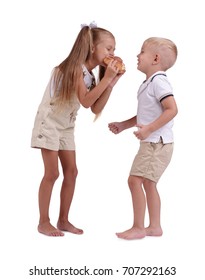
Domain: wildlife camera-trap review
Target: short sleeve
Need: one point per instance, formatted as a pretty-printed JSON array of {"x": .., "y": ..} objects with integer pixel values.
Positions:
[{"x": 162, "y": 87}]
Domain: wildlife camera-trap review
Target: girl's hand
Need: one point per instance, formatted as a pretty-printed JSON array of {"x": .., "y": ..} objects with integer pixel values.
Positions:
[
  {"x": 111, "y": 70},
  {"x": 143, "y": 132}
]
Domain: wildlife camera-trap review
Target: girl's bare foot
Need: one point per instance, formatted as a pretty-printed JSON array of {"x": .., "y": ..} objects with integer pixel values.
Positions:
[
  {"x": 67, "y": 226},
  {"x": 49, "y": 230},
  {"x": 133, "y": 233},
  {"x": 150, "y": 231}
]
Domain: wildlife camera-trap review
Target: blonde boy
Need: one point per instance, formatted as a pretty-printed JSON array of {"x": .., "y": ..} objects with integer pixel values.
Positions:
[{"x": 154, "y": 119}]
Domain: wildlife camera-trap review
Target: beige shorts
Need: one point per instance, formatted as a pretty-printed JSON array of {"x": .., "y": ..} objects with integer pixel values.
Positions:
[
  {"x": 53, "y": 131},
  {"x": 151, "y": 160}
]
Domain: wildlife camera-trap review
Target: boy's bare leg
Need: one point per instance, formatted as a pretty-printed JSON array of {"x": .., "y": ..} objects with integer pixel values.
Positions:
[
  {"x": 49, "y": 230},
  {"x": 50, "y": 159},
  {"x": 68, "y": 162},
  {"x": 139, "y": 205},
  {"x": 154, "y": 206}
]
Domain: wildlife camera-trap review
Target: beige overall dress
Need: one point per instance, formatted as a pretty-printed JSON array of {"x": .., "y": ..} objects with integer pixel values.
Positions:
[{"x": 52, "y": 129}]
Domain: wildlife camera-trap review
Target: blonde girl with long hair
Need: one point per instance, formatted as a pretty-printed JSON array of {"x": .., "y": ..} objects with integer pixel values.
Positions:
[{"x": 72, "y": 84}]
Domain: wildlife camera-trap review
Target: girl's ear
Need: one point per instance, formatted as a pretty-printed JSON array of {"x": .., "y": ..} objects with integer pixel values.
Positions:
[{"x": 92, "y": 49}]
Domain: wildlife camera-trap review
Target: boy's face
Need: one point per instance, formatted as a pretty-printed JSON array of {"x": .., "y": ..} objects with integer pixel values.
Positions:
[{"x": 146, "y": 58}]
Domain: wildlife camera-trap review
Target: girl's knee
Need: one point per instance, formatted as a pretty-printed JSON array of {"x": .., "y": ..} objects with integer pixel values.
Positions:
[
  {"x": 149, "y": 185},
  {"x": 134, "y": 181}
]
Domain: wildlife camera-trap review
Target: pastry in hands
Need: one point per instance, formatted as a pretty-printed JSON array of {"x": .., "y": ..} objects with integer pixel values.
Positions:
[{"x": 120, "y": 65}]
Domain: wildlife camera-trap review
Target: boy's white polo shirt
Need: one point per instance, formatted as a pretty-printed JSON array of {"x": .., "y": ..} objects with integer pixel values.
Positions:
[{"x": 150, "y": 95}]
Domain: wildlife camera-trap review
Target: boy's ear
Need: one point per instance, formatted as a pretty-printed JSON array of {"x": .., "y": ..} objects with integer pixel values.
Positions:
[{"x": 156, "y": 59}]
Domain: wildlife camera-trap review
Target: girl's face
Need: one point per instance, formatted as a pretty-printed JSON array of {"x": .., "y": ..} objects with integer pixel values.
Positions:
[
  {"x": 105, "y": 47},
  {"x": 146, "y": 58}
]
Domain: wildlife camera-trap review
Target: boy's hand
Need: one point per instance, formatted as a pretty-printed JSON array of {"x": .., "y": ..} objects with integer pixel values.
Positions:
[
  {"x": 116, "y": 127},
  {"x": 143, "y": 132}
]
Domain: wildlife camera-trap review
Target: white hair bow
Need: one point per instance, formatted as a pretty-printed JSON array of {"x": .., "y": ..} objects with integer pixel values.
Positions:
[{"x": 93, "y": 24}]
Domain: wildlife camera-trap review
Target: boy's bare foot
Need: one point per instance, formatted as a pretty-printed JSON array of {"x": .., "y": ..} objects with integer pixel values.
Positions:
[
  {"x": 133, "y": 233},
  {"x": 49, "y": 230},
  {"x": 150, "y": 231},
  {"x": 67, "y": 226}
]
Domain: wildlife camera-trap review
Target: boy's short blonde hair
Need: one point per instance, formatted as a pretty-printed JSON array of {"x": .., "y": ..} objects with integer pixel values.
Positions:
[{"x": 165, "y": 48}]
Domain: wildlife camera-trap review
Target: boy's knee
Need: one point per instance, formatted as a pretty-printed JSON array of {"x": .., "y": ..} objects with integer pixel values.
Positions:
[
  {"x": 52, "y": 176},
  {"x": 71, "y": 174},
  {"x": 75, "y": 173}
]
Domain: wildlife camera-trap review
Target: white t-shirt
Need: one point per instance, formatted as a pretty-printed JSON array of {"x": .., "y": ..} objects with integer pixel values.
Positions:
[{"x": 150, "y": 95}]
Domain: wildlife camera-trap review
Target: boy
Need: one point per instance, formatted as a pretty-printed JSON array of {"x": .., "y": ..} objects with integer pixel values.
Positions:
[{"x": 154, "y": 119}]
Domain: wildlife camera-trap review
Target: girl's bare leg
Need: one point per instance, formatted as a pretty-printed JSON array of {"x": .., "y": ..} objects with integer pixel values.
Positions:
[
  {"x": 139, "y": 205},
  {"x": 154, "y": 206},
  {"x": 68, "y": 161},
  {"x": 50, "y": 159}
]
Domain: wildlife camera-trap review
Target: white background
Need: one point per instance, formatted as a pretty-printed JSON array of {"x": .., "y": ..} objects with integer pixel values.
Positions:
[{"x": 35, "y": 37}]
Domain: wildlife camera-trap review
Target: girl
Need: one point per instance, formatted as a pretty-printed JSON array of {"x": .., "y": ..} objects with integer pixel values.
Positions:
[{"x": 72, "y": 83}]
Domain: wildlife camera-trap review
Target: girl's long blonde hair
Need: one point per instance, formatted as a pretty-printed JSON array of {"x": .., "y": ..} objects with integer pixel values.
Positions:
[{"x": 68, "y": 72}]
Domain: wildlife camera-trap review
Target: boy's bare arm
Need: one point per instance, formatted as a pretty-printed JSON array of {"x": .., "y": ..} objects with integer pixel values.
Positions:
[
  {"x": 170, "y": 111},
  {"x": 117, "y": 127}
]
